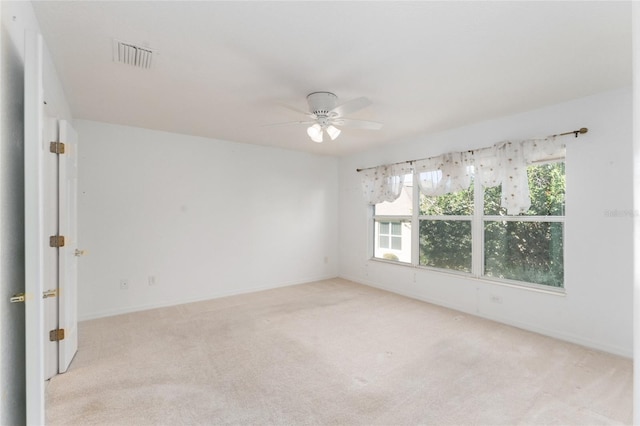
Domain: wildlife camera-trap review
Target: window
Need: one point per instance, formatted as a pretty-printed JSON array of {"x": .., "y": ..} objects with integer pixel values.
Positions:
[
  {"x": 390, "y": 235},
  {"x": 392, "y": 231},
  {"x": 469, "y": 232},
  {"x": 528, "y": 247},
  {"x": 445, "y": 230}
]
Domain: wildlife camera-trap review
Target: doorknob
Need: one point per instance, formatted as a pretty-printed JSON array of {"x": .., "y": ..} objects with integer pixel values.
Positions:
[
  {"x": 17, "y": 298},
  {"x": 79, "y": 253}
]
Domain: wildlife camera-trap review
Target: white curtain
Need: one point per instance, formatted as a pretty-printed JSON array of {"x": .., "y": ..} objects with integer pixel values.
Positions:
[
  {"x": 444, "y": 174},
  {"x": 543, "y": 149},
  {"x": 504, "y": 164},
  {"x": 383, "y": 183}
]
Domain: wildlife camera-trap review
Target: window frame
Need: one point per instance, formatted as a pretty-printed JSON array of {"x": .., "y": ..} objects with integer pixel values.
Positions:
[{"x": 477, "y": 220}]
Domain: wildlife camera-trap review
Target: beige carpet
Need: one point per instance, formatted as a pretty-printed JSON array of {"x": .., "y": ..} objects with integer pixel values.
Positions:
[{"x": 331, "y": 352}]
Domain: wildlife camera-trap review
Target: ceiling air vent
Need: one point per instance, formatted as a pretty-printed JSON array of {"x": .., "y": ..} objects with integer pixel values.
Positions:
[{"x": 130, "y": 54}]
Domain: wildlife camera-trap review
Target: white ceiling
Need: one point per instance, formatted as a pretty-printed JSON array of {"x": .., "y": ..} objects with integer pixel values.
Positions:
[{"x": 223, "y": 68}]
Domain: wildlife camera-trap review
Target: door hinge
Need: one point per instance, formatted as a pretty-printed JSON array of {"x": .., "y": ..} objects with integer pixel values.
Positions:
[
  {"x": 56, "y": 147},
  {"x": 56, "y": 241},
  {"x": 56, "y": 335},
  {"x": 50, "y": 293},
  {"x": 17, "y": 298}
]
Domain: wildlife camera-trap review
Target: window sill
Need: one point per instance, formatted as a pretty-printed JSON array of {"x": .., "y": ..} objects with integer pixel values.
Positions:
[{"x": 537, "y": 288}]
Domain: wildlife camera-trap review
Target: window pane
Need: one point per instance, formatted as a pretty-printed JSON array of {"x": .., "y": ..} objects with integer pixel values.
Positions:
[
  {"x": 446, "y": 244},
  {"x": 396, "y": 243},
  {"x": 525, "y": 251},
  {"x": 546, "y": 187},
  {"x": 396, "y": 247},
  {"x": 395, "y": 228},
  {"x": 403, "y": 205},
  {"x": 384, "y": 228},
  {"x": 455, "y": 203}
]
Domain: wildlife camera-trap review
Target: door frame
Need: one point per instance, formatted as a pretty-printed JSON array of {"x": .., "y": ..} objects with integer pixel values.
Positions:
[
  {"x": 51, "y": 256},
  {"x": 67, "y": 309}
]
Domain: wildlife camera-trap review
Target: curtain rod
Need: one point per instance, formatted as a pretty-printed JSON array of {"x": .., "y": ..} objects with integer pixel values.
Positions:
[{"x": 573, "y": 132}]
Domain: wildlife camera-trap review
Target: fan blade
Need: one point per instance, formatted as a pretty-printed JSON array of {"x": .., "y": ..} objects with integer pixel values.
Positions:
[
  {"x": 287, "y": 123},
  {"x": 299, "y": 111},
  {"x": 351, "y": 106},
  {"x": 358, "y": 124}
]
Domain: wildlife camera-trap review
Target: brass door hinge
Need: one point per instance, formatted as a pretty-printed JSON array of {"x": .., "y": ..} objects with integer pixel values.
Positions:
[
  {"x": 17, "y": 298},
  {"x": 56, "y": 241},
  {"x": 50, "y": 293},
  {"x": 56, "y": 147},
  {"x": 56, "y": 335}
]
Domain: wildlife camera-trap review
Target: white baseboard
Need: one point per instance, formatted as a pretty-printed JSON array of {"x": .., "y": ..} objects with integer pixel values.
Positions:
[
  {"x": 568, "y": 337},
  {"x": 216, "y": 295}
]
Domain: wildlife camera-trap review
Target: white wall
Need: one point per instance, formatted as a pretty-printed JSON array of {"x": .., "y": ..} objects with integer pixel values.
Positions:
[
  {"x": 597, "y": 310},
  {"x": 206, "y": 218}
]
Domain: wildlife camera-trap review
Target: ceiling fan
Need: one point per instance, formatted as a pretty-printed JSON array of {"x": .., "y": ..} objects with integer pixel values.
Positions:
[{"x": 325, "y": 114}]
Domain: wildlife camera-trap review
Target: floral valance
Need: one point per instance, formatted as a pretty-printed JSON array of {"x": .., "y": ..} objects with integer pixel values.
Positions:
[
  {"x": 444, "y": 174},
  {"x": 384, "y": 183},
  {"x": 504, "y": 164}
]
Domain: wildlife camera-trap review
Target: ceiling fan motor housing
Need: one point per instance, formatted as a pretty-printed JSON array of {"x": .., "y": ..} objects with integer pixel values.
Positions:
[{"x": 322, "y": 103}]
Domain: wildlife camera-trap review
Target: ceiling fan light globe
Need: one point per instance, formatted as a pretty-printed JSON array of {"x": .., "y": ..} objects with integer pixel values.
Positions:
[
  {"x": 315, "y": 133},
  {"x": 333, "y": 132}
]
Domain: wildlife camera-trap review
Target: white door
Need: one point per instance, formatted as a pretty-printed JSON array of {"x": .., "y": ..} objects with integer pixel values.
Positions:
[
  {"x": 50, "y": 218},
  {"x": 68, "y": 255},
  {"x": 34, "y": 228}
]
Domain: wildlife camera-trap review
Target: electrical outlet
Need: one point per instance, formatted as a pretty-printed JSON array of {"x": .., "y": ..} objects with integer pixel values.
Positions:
[
  {"x": 124, "y": 284},
  {"x": 152, "y": 280},
  {"x": 496, "y": 299},
  {"x": 326, "y": 260}
]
